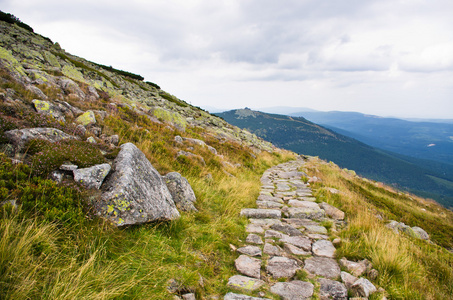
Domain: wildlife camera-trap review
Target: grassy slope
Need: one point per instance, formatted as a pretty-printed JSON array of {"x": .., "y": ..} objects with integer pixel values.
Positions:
[{"x": 408, "y": 268}]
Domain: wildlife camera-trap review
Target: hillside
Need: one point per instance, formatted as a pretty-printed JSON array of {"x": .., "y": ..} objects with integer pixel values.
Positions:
[
  {"x": 304, "y": 137},
  {"x": 423, "y": 140},
  {"x": 61, "y": 116}
]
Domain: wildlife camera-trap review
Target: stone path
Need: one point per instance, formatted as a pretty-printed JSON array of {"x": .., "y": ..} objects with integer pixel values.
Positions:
[{"x": 288, "y": 246}]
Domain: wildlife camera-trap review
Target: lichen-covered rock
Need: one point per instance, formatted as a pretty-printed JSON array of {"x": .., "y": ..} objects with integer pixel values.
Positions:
[
  {"x": 135, "y": 193},
  {"x": 87, "y": 118},
  {"x": 92, "y": 177},
  {"x": 170, "y": 117},
  {"x": 181, "y": 191},
  {"x": 19, "y": 137},
  {"x": 47, "y": 108},
  {"x": 233, "y": 296},
  {"x": 245, "y": 283}
]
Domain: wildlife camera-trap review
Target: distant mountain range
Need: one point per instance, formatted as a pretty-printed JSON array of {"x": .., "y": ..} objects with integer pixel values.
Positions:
[{"x": 424, "y": 177}]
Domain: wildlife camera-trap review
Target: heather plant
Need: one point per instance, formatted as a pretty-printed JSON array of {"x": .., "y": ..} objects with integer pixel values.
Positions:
[{"x": 47, "y": 156}]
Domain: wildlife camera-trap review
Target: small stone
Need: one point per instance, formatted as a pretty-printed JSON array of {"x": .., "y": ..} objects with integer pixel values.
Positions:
[
  {"x": 245, "y": 283},
  {"x": 272, "y": 250},
  {"x": 291, "y": 249},
  {"x": 248, "y": 266},
  {"x": 373, "y": 274},
  {"x": 293, "y": 290},
  {"x": 348, "y": 279},
  {"x": 57, "y": 176},
  {"x": 279, "y": 267},
  {"x": 298, "y": 241},
  {"x": 254, "y": 239},
  {"x": 260, "y": 213},
  {"x": 363, "y": 288},
  {"x": 273, "y": 234},
  {"x": 91, "y": 140},
  {"x": 316, "y": 229},
  {"x": 332, "y": 211},
  {"x": 252, "y": 228},
  {"x": 92, "y": 177},
  {"x": 336, "y": 241},
  {"x": 331, "y": 289},
  {"x": 250, "y": 250},
  {"x": 233, "y": 296},
  {"x": 322, "y": 266},
  {"x": 323, "y": 248},
  {"x": 68, "y": 167},
  {"x": 190, "y": 296},
  {"x": 87, "y": 118},
  {"x": 288, "y": 229},
  {"x": 356, "y": 268}
]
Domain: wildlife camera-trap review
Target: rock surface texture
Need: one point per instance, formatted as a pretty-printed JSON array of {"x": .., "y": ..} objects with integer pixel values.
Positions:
[
  {"x": 287, "y": 240},
  {"x": 181, "y": 191},
  {"x": 135, "y": 192}
]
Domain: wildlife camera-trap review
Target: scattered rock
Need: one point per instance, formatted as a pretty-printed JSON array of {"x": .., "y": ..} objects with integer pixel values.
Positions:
[
  {"x": 91, "y": 140},
  {"x": 92, "y": 177},
  {"x": 244, "y": 283},
  {"x": 294, "y": 290},
  {"x": 181, "y": 191},
  {"x": 356, "y": 268},
  {"x": 363, "y": 288},
  {"x": 135, "y": 193},
  {"x": 332, "y": 211},
  {"x": 332, "y": 290},
  {"x": 248, "y": 266},
  {"x": 322, "y": 266},
  {"x": 420, "y": 233},
  {"x": 279, "y": 267},
  {"x": 233, "y": 296},
  {"x": 348, "y": 279},
  {"x": 87, "y": 118},
  {"x": 190, "y": 296},
  {"x": 47, "y": 108}
]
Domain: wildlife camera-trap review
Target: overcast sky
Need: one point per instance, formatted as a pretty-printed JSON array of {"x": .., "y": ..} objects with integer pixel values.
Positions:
[{"x": 383, "y": 57}]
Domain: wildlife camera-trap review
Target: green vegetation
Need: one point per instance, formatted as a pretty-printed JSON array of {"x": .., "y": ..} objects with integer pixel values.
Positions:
[
  {"x": 173, "y": 99},
  {"x": 408, "y": 268},
  {"x": 7, "y": 17}
]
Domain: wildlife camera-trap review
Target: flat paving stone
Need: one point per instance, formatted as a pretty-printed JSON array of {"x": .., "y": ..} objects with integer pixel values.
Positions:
[
  {"x": 247, "y": 284},
  {"x": 323, "y": 248},
  {"x": 248, "y": 266},
  {"x": 298, "y": 241},
  {"x": 306, "y": 213},
  {"x": 307, "y": 204},
  {"x": 272, "y": 250},
  {"x": 287, "y": 229},
  {"x": 268, "y": 204},
  {"x": 254, "y": 239},
  {"x": 233, "y": 296},
  {"x": 252, "y": 228},
  {"x": 265, "y": 223},
  {"x": 331, "y": 289},
  {"x": 269, "y": 198},
  {"x": 322, "y": 266},
  {"x": 317, "y": 236},
  {"x": 299, "y": 222},
  {"x": 282, "y": 267},
  {"x": 273, "y": 234},
  {"x": 259, "y": 213},
  {"x": 291, "y": 249},
  {"x": 250, "y": 250},
  {"x": 316, "y": 229},
  {"x": 293, "y": 290}
]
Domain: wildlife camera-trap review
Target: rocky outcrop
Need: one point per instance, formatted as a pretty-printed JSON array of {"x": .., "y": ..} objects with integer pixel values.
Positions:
[
  {"x": 181, "y": 191},
  {"x": 415, "y": 231},
  {"x": 19, "y": 137},
  {"x": 135, "y": 192}
]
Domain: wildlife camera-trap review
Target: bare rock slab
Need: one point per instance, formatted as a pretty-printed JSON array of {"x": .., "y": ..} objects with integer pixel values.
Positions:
[
  {"x": 323, "y": 248},
  {"x": 135, "y": 193},
  {"x": 322, "y": 266},
  {"x": 248, "y": 266},
  {"x": 92, "y": 177},
  {"x": 233, "y": 296},
  {"x": 331, "y": 289},
  {"x": 282, "y": 267},
  {"x": 181, "y": 191},
  {"x": 294, "y": 290},
  {"x": 247, "y": 284},
  {"x": 260, "y": 213},
  {"x": 250, "y": 250}
]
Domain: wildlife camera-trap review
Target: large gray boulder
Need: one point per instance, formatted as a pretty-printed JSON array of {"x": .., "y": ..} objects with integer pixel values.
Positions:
[
  {"x": 19, "y": 137},
  {"x": 181, "y": 191},
  {"x": 135, "y": 193}
]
